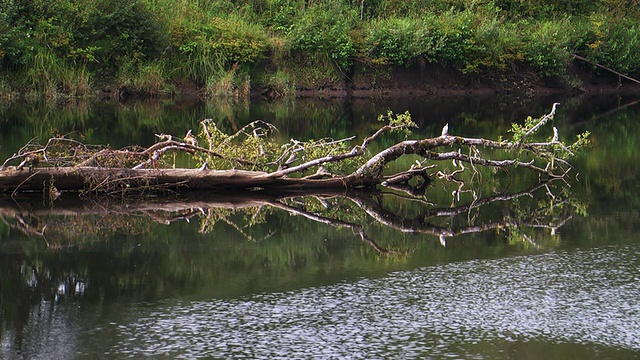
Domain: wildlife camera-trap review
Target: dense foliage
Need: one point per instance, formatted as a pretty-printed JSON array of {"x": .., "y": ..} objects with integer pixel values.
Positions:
[{"x": 225, "y": 47}]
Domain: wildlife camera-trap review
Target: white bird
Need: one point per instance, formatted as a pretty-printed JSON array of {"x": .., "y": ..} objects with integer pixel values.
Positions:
[
  {"x": 443, "y": 240},
  {"x": 445, "y": 130}
]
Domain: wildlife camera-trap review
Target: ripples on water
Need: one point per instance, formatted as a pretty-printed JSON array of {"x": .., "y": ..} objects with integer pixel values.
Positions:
[{"x": 459, "y": 310}]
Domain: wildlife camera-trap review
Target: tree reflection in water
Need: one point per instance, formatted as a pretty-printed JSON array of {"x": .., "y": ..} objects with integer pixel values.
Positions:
[
  {"x": 72, "y": 222},
  {"x": 62, "y": 255}
]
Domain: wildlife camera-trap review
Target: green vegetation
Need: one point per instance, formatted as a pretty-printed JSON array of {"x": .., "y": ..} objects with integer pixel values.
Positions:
[{"x": 225, "y": 47}]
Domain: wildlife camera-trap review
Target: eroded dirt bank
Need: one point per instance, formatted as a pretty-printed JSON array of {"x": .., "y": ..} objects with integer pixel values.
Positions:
[{"x": 440, "y": 81}]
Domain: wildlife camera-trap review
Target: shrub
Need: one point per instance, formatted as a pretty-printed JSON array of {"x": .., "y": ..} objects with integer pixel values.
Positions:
[
  {"x": 618, "y": 9},
  {"x": 202, "y": 50},
  {"x": 412, "y": 8},
  {"x": 548, "y": 46},
  {"x": 65, "y": 36},
  {"x": 447, "y": 37},
  {"x": 119, "y": 31},
  {"x": 13, "y": 35},
  {"x": 237, "y": 40},
  {"x": 280, "y": 15},
  {"x": 396, "y": 40},
  {"x": 542, "y": 9},
  {"x": 324, "y": 29},
  {"x": 614, "y": 44},
  {"x": 496, "y": 46},
  {"x": 455, "y": 35}
]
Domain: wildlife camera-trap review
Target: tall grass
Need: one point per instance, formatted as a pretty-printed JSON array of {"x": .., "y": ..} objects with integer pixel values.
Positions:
[
  {"x": 147, "y": 79},
  {"x": 224, "y": 83},
  {"x": 226, "y": 47},
  {"x": 52, "y": 77},
  {"x": 6, "y": 90}
]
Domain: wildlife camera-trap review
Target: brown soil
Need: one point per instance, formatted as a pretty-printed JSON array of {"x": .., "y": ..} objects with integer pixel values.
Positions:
[
  {"x": 436, "y": 81},
  {"x": 440, "y": 81}
]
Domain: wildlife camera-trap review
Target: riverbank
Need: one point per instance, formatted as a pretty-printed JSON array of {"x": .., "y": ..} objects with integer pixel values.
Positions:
[
  {"x": 390, "y": 82},
  {"x": 436, "y": 80},
  {"x": 440, "y": 81},
  {"x": 276, "y": 49}
]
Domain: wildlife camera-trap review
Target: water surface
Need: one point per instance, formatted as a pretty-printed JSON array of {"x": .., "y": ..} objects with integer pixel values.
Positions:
[{"x": 263, "y": 283}]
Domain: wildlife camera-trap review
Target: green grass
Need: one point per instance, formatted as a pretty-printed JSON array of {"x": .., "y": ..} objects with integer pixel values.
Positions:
[{"x": 66, "y": 48}]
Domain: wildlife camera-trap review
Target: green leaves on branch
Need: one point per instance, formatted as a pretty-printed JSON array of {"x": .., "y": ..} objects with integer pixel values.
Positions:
[
  {"x": 552, "y": 150},
  {"x": 256, "y": 147},
  {"x": 251, "y": 147},
  {"x": 582, "y": 142},
  {"x": 401, "y": 123}
]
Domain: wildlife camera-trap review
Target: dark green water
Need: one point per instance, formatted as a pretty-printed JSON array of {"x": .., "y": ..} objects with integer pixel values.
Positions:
[{"x": 260, "y": 282}]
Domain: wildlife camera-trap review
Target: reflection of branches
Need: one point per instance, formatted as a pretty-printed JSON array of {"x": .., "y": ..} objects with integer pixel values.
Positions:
[
  {"x": 169, "y": 217},
  {"x": 420, "y": 224},
  {"x": 28, "y": 226},
  {"x": 356, "y": 228},
  {"x": 211, "y": 208},
  {"x": 72, "y": 227},
  {"x": 616, "y": 109}
]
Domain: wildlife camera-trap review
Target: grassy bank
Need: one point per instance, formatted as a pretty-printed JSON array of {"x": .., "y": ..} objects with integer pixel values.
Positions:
[{"x": 228, "y": 48}]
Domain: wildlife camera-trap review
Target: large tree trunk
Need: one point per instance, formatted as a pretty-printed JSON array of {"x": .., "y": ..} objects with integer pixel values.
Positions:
[{"x": 115, "y": 179}]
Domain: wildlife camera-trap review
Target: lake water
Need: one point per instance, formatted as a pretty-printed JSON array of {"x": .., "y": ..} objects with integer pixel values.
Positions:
[{"x": 555, "y": 274}]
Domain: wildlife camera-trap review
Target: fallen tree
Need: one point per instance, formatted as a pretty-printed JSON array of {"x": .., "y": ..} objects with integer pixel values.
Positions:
[{"x": 251, "y": 159}]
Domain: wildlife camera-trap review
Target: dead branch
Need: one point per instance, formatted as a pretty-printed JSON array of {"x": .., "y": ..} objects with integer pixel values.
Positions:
[
  {"x": 576, "y": 56},
  {"x": 542, "y": 121},
  {"x": 355, "y": 151},
  {"x": 71, "y": 165}
]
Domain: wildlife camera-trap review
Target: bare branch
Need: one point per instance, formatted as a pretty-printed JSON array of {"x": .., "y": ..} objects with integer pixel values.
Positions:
[
  {"x": 487, "y": 162},
  {"x": 542, "y": 121},
  {"x": 355, "y": 152}
]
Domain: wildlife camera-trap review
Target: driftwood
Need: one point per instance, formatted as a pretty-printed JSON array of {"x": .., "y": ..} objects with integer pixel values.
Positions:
[
  {"x": 77, "y": 178},
  {"x": 67, "y": 165}
]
